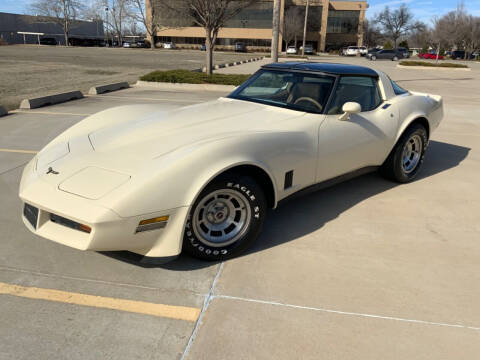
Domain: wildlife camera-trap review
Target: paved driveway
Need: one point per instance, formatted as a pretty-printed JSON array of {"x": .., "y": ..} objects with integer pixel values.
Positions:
[{"x": 367, "y": 269}]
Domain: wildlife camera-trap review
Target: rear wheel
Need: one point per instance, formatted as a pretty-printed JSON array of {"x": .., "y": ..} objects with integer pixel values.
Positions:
[
  {"x": 406, "y": 158},
  {"x": 395, "y": 58},
  {"x": 226, "y": 218},
  {"x": 374, "y": 58}
]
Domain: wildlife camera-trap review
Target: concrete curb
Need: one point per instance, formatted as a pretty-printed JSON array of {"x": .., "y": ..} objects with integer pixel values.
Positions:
[
  {"x": 3, "y": 111},
  {"x": 50, "y": 100},
  {"x": 432, "y": 68},
  {"x": 235, "y": 63},
  {"x": 95, "y": 90},
  {"x": 185, "y": 87}
]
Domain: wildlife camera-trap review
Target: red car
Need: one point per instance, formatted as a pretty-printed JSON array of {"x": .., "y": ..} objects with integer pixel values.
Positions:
[{"x": 430, "y": 56}]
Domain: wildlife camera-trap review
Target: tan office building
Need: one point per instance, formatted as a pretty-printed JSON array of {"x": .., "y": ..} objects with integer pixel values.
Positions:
[{"x": 331, "y": 25}]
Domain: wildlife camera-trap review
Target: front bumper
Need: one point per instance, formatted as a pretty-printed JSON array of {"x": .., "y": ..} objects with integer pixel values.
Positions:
[{"x": 109, "y": 231}]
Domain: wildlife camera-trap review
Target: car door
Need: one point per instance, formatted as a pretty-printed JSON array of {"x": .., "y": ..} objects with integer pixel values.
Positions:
[
  {"x": 385, "y": 54},
  {"x": 362, "y": 140}
]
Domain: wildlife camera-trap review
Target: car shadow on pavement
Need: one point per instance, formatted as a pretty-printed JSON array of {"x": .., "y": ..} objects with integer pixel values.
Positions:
[{"x": 305, "y": 214}]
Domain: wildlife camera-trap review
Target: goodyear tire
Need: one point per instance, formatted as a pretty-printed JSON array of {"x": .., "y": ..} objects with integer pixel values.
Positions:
[
  {"x": 406, "y": 158},
  {"x": 226, "y": 218}
]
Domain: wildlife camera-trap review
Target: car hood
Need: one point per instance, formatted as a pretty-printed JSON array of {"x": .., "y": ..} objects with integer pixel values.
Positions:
[
  {"x": 158, "y": 133},
  {"x": 128, "y": 138}
]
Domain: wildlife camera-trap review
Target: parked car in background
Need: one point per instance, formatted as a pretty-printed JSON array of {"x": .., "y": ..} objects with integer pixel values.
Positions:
[
  {"x": 430, "y": 56},
  {"x": 362, "y": 50},
  {"x": 352, "y": 51},
  {"x": 343, "y": 51},
  {"x": 169, "y": 45},
  {"x": 142, "y": 44},
  {"x": 127, "y": 44},
  {"x": 404, "y": 52},
  {"x": 292, "y": 50},
  {"x": 240, "y": 47},
  {"x": 308, "y": 49},
  {"x": 385, "y": 55},
  {"x": 203, "y": 47},
  {"x": 458, "y": 54},
  {"x": 48, "y": 41}
]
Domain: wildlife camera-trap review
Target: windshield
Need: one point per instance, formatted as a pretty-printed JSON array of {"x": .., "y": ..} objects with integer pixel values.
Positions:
[{"x": 297, "y": 91}]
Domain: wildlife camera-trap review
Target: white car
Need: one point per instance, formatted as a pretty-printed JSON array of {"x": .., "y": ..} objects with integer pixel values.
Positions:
[
  {"x": 362, "y": 50},
  {"x": 352, "y": 51},
  {"x": 292, "y": 50},
  {"x": 169, "y": 45},
  {"x": 201, "y": 178}
]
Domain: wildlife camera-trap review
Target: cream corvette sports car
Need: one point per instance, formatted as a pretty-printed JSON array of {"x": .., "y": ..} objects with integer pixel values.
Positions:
[{"x": 200, "y": 178}]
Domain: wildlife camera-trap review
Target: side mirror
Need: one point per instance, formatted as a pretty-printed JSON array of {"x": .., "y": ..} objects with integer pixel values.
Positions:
[{"x": 348, "y": 109}]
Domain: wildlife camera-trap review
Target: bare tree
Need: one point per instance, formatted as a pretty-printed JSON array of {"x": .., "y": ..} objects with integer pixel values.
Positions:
[
  {"x": 397, "y": 23},
  {"x": 149, "y": 16},
  {"x": 209, "y": 14},
  {"x": 62, "y": 12},
  {"x": 372, "y": 35},
  {"x": 120, "y": 12},
  {"x": 458, "y": 29},
  {"x": 292, "y": 24}
]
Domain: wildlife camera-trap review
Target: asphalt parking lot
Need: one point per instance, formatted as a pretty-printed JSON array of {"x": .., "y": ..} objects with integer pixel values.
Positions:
[
  {"x": 33, "y": 71},
  {"x": 367, "y": 269}
]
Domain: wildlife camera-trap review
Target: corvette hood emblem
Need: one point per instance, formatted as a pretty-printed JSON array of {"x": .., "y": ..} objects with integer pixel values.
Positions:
[{"x": 51, "y": 171}]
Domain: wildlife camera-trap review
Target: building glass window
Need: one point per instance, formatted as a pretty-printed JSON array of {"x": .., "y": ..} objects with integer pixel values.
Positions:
[
  {"x": 256, "y": 16},
  {"x": 343, "y": 21}
]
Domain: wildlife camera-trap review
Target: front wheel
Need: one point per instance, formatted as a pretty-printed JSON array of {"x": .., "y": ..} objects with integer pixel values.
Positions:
[
  {"x": 395, "y": 58},
  {"x": 373, "y": 58},
  {"x": 226, "y": 218},
  {"x": 406, "y": 158}
]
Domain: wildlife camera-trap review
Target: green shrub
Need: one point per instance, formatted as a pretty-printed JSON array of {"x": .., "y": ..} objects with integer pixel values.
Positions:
[
  {"x": 403, "y": 43},
  {"x": 388, "y": 45},
  {"x": 431, "y": 64},
  {"x": 191, "y": 77}
]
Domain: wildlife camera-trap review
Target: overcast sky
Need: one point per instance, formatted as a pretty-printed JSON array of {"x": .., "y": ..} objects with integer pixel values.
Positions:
[{"x": 423, "y": 9}]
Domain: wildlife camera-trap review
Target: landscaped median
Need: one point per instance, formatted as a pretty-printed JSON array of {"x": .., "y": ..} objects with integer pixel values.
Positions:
[
  {"x": 191, "y": 77},
  {"x": 426, "y": 64}
]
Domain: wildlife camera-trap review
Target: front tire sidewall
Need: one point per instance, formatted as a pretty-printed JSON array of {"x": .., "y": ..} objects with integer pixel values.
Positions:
[
  {"x": 256, "y": 201},
  {"x": 399, "y": 173}
]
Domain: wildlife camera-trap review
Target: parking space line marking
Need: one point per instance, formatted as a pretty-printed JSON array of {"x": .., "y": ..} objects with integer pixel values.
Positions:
[
  {"x": 96, "y": 281},
  {"x": 144, "y": 98},
  {"x": 274, "y": 303},
  {"x": 18, "y": 111},
  {"x": 140, "y": 307},
  {"x": 19, "y": 151}
]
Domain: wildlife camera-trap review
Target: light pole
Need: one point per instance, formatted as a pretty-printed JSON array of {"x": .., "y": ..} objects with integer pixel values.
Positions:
[
  {"x": 275, "y": 30},
  {"x": 305, "y": 28},
  {"x": 106, "y": 25}
]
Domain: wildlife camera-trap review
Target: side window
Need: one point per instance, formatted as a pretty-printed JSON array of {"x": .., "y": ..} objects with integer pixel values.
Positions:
[{"x": 361, "y": 89}]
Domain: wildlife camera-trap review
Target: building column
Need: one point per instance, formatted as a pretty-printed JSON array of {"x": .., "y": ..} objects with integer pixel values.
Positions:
[
  {"x": 280, "y": 36},
  {"x": 360, "y": 27},
  {"x": 323, "y": 26}
]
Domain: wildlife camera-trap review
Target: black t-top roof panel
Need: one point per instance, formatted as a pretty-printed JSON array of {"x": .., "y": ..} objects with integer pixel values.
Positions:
[{"x": 329, "y": 68}]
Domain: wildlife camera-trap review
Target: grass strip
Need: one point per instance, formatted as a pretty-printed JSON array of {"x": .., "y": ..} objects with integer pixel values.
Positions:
[{"x": 431, "y": 64}]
